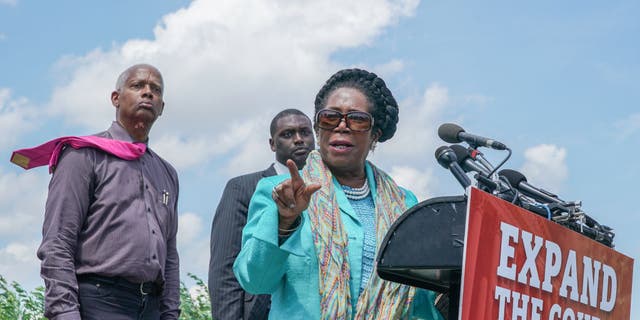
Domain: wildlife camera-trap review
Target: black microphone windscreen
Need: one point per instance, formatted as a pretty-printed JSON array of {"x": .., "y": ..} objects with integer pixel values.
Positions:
[
  {"x": 440, "y": 150},
  {"x": 449, "y": 132},
  {"x": 461, "y": 152},
  {"x": 445, "y": 156},
  {"x": 514, "y": 177}
]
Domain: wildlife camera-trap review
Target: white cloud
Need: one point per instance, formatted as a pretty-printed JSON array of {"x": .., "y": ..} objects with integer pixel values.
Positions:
[
  {"x": 227, "y": 62},
  {"x": 22, "y": 200},
  {"x": 545, "y": 166},
  {"x": 245, "y": 143},
  {"x": 183, "y": 153},
  {"x": 20, "y": 252},
  {"x": 416, "y": 137},
  {"x": 389, "y": 68},
  {"x": 628, "y": 126},
  {"x": 422, "y": 183},
  {"x": 3, "y": 36},
  {"x": 194, "y": 258},
  {"x": 253, "y": 153},
  {"x": 193, "y": 245},
  {"x": 20, "y": 264},
  {"x": 189, "y": 227},
  {"x": 16, "y": 118}
]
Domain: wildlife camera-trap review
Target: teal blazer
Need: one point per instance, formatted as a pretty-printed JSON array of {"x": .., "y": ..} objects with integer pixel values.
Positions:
[{"x": 289, "y": 272}]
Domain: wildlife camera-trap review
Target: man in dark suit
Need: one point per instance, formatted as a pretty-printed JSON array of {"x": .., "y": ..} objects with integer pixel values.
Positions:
[{"x": 291, "y": 138}]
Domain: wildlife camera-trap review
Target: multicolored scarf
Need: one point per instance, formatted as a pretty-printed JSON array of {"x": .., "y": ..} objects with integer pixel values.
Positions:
[{"x": 381, "y": 299}]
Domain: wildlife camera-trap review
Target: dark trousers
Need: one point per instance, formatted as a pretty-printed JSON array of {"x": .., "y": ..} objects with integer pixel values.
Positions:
[{"x": 116, "y": 299}]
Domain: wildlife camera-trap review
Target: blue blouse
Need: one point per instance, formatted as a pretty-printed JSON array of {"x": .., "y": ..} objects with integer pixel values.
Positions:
[{"x": 365, "y": 208}]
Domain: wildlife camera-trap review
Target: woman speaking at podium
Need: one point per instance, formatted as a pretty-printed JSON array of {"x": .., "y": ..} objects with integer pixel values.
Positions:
[{"x": 312, "y": 235}]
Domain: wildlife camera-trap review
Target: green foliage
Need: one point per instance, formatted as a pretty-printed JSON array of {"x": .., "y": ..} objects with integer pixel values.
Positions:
[
  {"x": 18, "y": 304},
  {"x": 196, "y": 306}
]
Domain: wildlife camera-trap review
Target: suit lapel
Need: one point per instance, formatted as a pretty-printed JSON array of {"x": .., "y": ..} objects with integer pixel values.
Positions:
[{"x": 270, "y": 171}]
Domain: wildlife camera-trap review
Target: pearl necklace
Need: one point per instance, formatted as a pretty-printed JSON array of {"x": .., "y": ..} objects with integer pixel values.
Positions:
[{"x": 357, "y": 193}]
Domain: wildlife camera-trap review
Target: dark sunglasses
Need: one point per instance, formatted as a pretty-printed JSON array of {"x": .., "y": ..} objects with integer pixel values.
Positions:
[{"x": 358, "y": 121}]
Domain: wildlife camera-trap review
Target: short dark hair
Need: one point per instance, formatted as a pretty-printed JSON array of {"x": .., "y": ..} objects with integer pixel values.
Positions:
[
  {"x": 282, "y": 114},
  {"x": 126, "y": 73},
  {"x": 384, "y": 107}
]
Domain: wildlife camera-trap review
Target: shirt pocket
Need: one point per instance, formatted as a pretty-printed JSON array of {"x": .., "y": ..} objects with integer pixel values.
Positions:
[{"x": 163, "y": 204}]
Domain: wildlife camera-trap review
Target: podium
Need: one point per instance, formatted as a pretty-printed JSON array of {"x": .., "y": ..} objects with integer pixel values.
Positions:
[
  {"x": 498, "y": 261},
  {"x": 432, "y": 228}
]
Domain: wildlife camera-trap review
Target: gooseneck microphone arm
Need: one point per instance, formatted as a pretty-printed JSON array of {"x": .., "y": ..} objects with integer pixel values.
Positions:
[
  {"x": 480, "y": 158},
  {"x": 468, "y": 162}
]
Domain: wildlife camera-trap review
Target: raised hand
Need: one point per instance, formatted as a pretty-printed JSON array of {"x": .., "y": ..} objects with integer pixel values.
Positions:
[{"x": 292, "y": 196}]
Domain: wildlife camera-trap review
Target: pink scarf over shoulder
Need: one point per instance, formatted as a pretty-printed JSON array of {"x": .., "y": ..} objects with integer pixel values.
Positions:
[{"x": 49, "y": 152}]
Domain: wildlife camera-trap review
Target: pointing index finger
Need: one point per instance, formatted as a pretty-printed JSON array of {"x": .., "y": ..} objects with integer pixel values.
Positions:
[{"x": 293, "y": 171}]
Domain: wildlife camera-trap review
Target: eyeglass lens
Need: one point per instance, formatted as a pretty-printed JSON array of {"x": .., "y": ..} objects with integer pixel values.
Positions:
[{"x": 355, "y": 120}]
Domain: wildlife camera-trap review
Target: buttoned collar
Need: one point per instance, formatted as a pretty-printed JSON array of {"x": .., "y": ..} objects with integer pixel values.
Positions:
[{"x": 118, "y": 132}]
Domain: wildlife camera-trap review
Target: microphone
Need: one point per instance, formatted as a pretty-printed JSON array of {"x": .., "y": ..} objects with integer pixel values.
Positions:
[
  {"x": 467, "y": 162},
  {"x": 447, "y": 158},
  {"x": 574, "y": 218},
  {"x": 453, "y": 133},
  {"x": 519, "y": 181}
]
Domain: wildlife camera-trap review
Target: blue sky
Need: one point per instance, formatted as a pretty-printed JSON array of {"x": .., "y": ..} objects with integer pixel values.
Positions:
[{"x": 557, "y": 82}]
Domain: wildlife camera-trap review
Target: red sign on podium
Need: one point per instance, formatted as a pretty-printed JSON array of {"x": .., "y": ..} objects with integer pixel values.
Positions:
[{"x": 518, "y": 265}]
